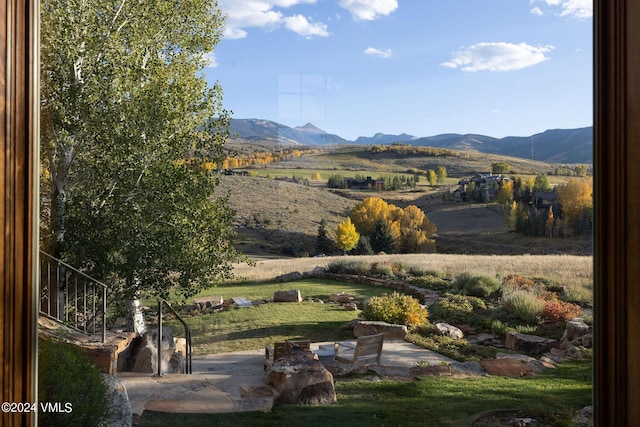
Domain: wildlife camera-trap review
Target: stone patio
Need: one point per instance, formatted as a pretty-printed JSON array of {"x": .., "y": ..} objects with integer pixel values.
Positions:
[{"x": 236, "y": 382}]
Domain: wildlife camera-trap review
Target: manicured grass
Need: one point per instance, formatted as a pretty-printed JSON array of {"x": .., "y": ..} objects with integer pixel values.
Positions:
[
  {"x": 253, "y": 327},
  {"x": 433, "y": 401}
]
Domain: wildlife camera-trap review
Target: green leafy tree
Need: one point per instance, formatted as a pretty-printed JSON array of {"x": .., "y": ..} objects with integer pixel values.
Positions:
[
  {"x": 500, "y": 167},
  {"x": 441, "y": 174},
  {"x": 128, "y": 125},
  {"x": 347, "y": 237},
  {"x": 541, "y": 183},
  {"x": 581, "y": 170}
]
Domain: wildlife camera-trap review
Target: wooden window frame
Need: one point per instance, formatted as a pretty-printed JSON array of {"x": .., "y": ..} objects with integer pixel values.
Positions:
[{"x": 616, "y": 207}]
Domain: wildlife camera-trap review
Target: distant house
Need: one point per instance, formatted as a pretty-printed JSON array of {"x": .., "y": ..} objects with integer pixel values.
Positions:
[
  {"x": 487, "y": 184},
  {"x": 544, "y": 200},
  {"x": 365, "y": 184}
]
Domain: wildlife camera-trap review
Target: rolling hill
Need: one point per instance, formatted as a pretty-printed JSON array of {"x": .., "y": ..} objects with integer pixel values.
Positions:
[{"x": 567, "y": 146}]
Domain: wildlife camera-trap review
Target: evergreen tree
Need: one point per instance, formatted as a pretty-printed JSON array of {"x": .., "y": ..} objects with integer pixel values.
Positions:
[
  {"x": 381, "y": 239},
  {"x": 324, "y": 244},
  {"x": 363, "y": 247}
]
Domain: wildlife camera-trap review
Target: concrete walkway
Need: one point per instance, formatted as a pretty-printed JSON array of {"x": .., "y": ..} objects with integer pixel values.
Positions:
[{"x": 236, "y": 382}]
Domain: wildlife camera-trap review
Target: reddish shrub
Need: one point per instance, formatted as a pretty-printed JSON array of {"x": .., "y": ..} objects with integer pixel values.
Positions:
[
  {"x": 518, "y": 282},
  {"x": 556, "y": 311}
]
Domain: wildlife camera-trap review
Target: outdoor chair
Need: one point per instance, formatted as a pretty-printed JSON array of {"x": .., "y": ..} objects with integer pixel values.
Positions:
[
  {"x": 279, "y": 349},
  {"x": 366, "y": 348}
]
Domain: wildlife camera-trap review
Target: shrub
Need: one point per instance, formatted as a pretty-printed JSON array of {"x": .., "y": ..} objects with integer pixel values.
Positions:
[
  {"x": 396, "y": 308},
  {"x": 457, "y": 309},
  {"x": 523, "y": 305},
  {"x": 557, "y": 311},
  {"x": 435, "y": 283},
  {"x": 348, "y": 267},
  {"x": 477, "y": 286},
  {"x": 459, "y": 350},
  {"x": 383, "y": 270},
  {"x": 516, "y": 282},
  {"x": 66, "y": 375}
]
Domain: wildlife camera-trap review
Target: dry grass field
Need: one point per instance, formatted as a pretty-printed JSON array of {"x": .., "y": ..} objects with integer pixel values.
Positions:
[
  {"x": 574, "y": 272},
  {"x": 277, "y": 218}
]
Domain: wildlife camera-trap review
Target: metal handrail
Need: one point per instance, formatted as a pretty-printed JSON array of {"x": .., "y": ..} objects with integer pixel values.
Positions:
[
  {"x": 187, "y": 331},
  {"x": 67, "y": 288}
]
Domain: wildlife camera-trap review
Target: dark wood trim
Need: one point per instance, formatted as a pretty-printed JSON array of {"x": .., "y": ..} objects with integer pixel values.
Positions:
[
  {"x": 617, "y": 208},
  {"x": 18, "y": 179},
  {"x": 617, "y": 204}
]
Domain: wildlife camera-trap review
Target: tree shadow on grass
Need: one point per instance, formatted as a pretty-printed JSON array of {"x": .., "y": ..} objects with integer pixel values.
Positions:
[{"x": 314, "y": 331}]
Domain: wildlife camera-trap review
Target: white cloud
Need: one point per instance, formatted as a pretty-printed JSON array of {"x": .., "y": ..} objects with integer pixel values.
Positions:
[
  {"x": 537, "y": 11},
  {"x": 372, "y": 51},
  {"x": 243, "y": 14},
  {"x": 580, "y": 9},
  {"x": 210, "y": 59},
  {"x": 497, "y": 57},
  {"x": 299, "y": 24},
  {"x": 368, "y": 10}
]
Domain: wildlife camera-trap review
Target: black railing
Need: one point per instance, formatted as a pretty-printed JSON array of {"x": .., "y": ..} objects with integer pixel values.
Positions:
[
  {"x": 187, "y": 331},
  {"x": 71, "y": 297}
]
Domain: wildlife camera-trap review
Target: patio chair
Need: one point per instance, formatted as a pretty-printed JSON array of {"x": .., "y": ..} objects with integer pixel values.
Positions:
[
  {"x": 367, "y": 348},
  {"x": 279, "y": 349}
]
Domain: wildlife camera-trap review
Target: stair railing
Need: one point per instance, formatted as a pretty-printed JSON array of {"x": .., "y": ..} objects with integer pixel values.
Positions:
[
  {"x": 187, "y": 331},
  {"x": 71, "y": 297}
]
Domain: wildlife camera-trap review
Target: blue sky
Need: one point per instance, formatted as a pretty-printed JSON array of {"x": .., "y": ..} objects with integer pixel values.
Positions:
[{"x": 422, "y": 67}]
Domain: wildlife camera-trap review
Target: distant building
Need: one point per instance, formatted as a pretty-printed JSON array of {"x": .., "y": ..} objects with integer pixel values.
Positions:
[
  {"x": 365, "y": 184},
  {"x": 487, "y": 184}
]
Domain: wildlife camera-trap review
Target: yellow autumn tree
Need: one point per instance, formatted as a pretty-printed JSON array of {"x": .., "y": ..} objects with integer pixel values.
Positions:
[
  {"x": 575, "y": 196},
  {"x": 414, "y": 228},
  {"x": 347, "y": 237},
  {"x": 366, "y": 213},
  {"x": 410, "y": 228}
]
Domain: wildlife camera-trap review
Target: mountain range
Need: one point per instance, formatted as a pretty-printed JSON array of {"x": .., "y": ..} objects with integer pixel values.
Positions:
[{"x": 564, "y": 146}]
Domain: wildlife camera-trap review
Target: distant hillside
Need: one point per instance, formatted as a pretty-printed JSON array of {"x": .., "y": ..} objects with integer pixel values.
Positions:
[
  {"x": 256, "y": 129},
  {"x": 384, "y": 139},
  {"x": 551, "y": 146}
]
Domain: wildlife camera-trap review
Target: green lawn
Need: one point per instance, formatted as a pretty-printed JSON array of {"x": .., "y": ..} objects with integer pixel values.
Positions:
[
  {"x": 253, "y": 327},
  {"x": 432, "y": 401}
]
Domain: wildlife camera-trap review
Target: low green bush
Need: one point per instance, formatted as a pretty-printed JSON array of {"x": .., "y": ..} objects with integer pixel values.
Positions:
[
  {"x": 459, "y": 350},
  {"x": 457, "y": 309},
  {"x": 523, "y": 305},
  {"x": 348, "y": 267},
  {"x": 477, "y": 286},
  {"x": 396, "y": 308},
  {"x": 434, "y": 283},
  {"x": 66, "y": 376}
]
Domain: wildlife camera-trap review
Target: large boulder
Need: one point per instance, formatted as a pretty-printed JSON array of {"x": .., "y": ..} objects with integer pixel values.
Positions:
[
  {"x": 341, "y": 297},
  {"x": 449, "y": 331},
  {"x": 506, "y": 367},
  {"x": 145, "y": 358},
  {"x": 299, "y": 377},
  {"x": 287, "y": 296},
  {"x": 529, "y": 344},
  {"x": 578, "y": 333},
  {"x": 370, "y": 327},
  {"x": 120, "y": 413}
]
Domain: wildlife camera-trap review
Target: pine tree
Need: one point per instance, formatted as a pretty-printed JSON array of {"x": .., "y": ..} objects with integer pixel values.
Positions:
[
  {"x": 381, "y": 239},
  {"x": 324, "y": 244}
]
